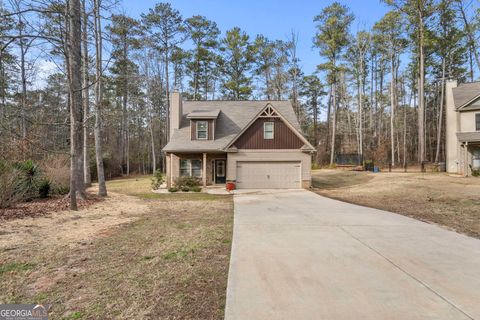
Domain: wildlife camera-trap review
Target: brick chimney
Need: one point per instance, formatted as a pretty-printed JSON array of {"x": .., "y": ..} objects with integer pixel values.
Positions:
[
  {"x": 176, "y": 111},
  {"x": 451, "y": 129}
]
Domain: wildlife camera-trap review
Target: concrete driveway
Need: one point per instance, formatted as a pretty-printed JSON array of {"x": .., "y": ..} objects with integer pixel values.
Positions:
[{"x": 297, "y": 255}]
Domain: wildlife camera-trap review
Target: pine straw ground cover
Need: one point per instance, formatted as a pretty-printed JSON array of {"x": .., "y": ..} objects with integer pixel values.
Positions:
[
  {"x": 166, "y": 258},
  {"x": 40, "y": 207},
  {"x": 450, "y": 201}
]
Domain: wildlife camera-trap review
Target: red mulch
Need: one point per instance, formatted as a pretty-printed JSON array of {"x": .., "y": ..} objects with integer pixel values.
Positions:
[{"x": 41, "y": 207}]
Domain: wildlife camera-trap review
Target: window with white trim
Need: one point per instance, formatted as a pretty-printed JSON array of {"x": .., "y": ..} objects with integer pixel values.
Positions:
[
  {"x": 202, "y": 130},
  {"x": 268, "y": 128},
  {"x": 477, "y": 121},
  {"x": 191, "y": 167}
]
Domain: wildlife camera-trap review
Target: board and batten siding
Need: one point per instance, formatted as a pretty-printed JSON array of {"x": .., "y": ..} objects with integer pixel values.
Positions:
[
  {"x": 283, "y": 137},
  {"x": 193, "y": 129}
]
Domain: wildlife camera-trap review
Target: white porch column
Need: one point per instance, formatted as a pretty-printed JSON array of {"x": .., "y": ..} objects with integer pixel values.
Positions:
[
  {"x": 168, "y": 169},
  {"x": 204, "y": 172},
  {"x": 466, "y": 162}
]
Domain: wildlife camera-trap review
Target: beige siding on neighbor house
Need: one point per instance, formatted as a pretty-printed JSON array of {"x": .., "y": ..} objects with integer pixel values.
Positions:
[
  {"x": 453, "y": 123},
  {"x": 467, "y": 121},
  {"x": 270, "y": 155},
  {"x": 458, "y": 155}
]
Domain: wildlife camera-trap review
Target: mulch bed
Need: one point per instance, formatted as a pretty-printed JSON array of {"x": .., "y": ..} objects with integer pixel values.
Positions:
[{"x": 41, "y": 207}]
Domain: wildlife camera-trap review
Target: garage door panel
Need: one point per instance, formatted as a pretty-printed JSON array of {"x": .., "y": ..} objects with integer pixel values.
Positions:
[{"x": 268, "y": 174}]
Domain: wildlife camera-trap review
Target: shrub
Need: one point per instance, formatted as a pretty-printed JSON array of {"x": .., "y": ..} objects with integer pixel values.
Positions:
[
  {"x": 187, "y": 182},
  {"x": 56, "y": 168},
  {"x": 157, "y": 180},
  {"x": 369, "y": 165},
  {"x": 315, "y": 166},
  {"x": 172, "y": 189},
  {"x": 196, "y": 189},
  {"x": 44, "y": 188},
  {"x": 475, "y": 172},
  {"x": 185, "y": 189},
  {"x": 29, "y": 178},
  {"x": 10, "y": 193}
]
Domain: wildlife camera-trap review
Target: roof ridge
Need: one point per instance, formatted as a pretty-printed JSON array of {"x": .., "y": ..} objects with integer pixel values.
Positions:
[{"x": 467, "y": 83}]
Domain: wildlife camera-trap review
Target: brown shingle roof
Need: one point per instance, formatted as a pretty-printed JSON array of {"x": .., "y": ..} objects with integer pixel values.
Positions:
[
  {"x": 465, "y": 93},
  {"x": 468, "y": 136},
  {"x": 233, "y": 117}
]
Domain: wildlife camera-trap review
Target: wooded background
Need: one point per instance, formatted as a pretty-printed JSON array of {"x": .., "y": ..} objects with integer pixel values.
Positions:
[{"x": 377, "y": 92}]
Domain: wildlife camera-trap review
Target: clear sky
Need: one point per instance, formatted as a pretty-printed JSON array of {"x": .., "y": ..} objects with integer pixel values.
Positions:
[{"x": 274, "y": 19}]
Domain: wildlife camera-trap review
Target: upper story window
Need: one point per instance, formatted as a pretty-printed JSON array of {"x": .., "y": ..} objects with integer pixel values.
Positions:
[
  {"x": 268, "y": 128},
  {"x": 477, "y": 121},
  {"x": 202, "y": 130}
]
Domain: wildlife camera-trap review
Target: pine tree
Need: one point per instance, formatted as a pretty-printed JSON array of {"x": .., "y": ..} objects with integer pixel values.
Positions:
[
  {"x": 331, "y": 39},
  {"x": 204, "y": 35},
  {"x": 235, "y": 65}
]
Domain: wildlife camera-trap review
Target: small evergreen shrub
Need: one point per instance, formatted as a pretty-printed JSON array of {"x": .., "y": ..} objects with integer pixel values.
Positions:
[
  {"x": 196, "y": 189},
  {"x": 475, "y": 172},
  {"x": 44, "y": 188},
  {"x": 29, "y": 179},
  {"x": 186, "y": 181},
  {"x": 158, "y": 179},
  {"x": 185, "y": 189},
  {"x": 172, "y": 189}
]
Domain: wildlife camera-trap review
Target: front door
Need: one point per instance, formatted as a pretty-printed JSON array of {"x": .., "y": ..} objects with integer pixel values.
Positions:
[{"x": 220, "y": 172}]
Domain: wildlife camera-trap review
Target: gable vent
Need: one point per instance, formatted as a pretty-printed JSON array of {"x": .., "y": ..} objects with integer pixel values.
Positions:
[{"x": 269, "y": 113}]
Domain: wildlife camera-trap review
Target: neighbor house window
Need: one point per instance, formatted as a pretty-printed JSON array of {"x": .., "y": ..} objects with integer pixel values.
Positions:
[
  {"x": 477, "y": 121},
  {"x": 268, "y": 130},
  {"x": 202, "y": 130},
  {"x": 190, "y": 168}
]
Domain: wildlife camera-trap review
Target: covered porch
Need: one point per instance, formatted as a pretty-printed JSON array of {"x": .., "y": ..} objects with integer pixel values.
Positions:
[
  {"x": 209, "y": 167},
  {"x": 470, "y": 151}
]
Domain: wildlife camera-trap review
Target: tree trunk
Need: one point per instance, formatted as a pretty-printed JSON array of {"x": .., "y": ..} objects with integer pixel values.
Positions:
[
  {"x": 23, "y": 112},
  {"x": 102, "y": 189},
  {"x": 86, "y": 99},
  {"x": 392, "y": 112},
  {"x": 127, "y": 149},
  {"x": 167, "y": 96},
  {"x": 152, "y": 141},
  {"x": 76, "y": 112},
  {"x": 440, "y": 116},
  {"x": 334, "y": 120},
  {"x": 360, "y": 108},
  {"x": 124, "y": 109},
  {"x": 421, "y": 88}
]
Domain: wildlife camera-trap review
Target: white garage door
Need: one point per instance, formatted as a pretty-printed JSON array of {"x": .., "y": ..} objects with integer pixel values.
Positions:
[{"x": 265, "y": 175}]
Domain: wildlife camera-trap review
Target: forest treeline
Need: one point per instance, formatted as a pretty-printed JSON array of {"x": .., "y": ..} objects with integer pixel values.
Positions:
[{"x": 377, "y": 92}]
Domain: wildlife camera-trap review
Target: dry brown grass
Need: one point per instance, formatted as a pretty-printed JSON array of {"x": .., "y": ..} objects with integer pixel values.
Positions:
[
  {"x": 160, "y": 259},
  {"x": 450, "y": 201},
  {"x": 56, "y": 169}
]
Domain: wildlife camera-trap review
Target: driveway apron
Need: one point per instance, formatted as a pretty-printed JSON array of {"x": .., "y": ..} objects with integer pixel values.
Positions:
[{"x": 298, "y": 255}]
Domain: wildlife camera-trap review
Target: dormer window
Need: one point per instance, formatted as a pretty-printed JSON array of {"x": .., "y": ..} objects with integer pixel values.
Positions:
[
  {"x": 202, "y": 130},
  {"x": 268, "y": 128}
]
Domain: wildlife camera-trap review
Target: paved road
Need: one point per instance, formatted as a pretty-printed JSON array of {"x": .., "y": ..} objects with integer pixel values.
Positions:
[{"x": 297, "y": 255}]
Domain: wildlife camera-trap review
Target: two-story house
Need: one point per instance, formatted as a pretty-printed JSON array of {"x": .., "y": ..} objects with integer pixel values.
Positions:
[
  {"x": 462, "y": 127},
  {"x": 255, "y": 144}
]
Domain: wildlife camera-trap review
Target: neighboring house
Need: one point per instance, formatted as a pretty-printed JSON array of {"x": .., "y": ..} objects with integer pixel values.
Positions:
[
  {"x": 255, "y": 144},
  {"x": 463, "y": 127}
]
